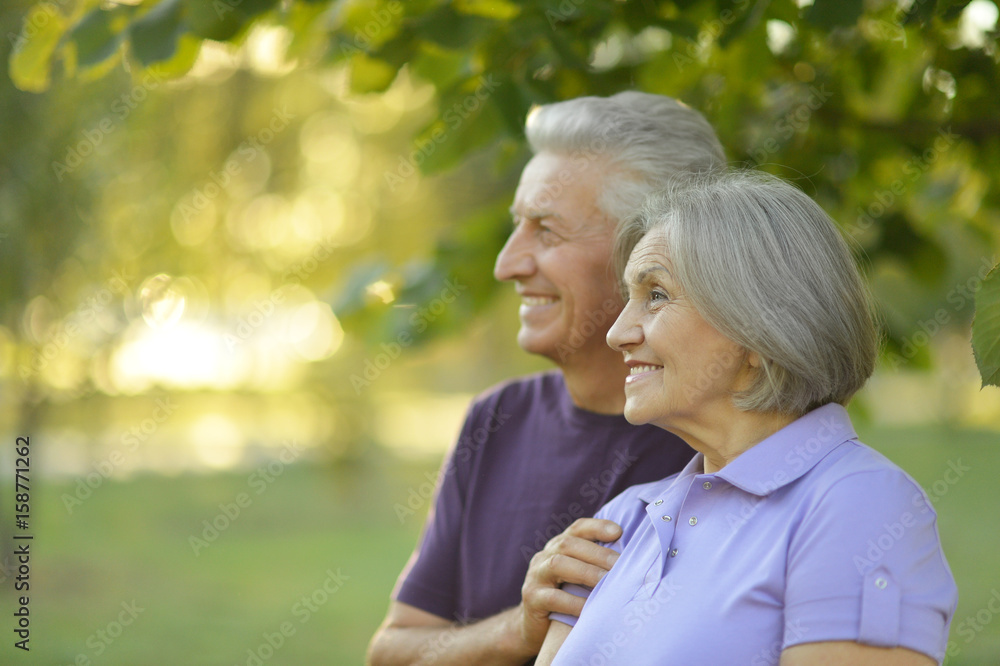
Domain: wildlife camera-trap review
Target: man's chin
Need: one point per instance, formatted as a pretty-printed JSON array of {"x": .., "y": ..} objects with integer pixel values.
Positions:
[{"x": 539, "y": 344}]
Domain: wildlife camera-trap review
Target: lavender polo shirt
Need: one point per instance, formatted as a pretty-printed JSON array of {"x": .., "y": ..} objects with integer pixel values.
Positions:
[{"x": 808, "y": 536}]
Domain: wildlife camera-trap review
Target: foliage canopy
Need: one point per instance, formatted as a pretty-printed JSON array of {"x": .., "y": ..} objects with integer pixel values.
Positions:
[{"x": 886, "y": 112}]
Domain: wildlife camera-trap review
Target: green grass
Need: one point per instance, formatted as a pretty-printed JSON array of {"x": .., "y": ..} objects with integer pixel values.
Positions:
[{"x": 130, "y": 541}]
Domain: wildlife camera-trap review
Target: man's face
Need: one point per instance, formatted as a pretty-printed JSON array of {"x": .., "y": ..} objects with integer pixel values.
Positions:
[{"x": 559, "y": 254}]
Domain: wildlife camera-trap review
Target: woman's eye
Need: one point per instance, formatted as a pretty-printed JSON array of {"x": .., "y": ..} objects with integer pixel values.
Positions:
[
  {"x": 656, "y": 295},
  {"x": 547, "y": 234}
]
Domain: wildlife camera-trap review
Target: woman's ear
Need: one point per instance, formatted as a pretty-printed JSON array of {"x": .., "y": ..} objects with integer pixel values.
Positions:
[{"x": 753, "y": 359}]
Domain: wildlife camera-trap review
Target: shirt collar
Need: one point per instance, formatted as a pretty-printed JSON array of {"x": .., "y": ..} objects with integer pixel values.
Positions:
[{"x": 777, "y": 460}]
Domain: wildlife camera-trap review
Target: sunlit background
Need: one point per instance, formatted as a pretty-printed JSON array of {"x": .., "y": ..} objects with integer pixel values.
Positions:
[{"x": 192, "y": 322}]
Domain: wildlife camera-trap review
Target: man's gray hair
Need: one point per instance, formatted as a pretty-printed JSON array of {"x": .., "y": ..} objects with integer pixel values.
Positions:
[
  {"x": 767, "y": 267},
  {"x": 643, "y": 139}
]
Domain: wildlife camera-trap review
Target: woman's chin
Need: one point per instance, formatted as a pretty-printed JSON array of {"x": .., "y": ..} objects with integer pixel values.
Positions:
[{"x": 635, "y": 416}]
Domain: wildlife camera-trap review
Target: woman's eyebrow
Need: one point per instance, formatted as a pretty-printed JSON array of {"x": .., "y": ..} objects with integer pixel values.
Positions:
[
  {"x": 646, "y": 272},
  {"x": 535, "y": 214}
]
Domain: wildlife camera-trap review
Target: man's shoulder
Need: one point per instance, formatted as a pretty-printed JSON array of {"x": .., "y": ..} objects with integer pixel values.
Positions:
[{"x": 528, "y": 388}]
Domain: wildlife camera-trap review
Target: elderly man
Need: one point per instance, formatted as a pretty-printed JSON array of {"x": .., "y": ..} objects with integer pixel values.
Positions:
[{"x": 540, "y": 455}]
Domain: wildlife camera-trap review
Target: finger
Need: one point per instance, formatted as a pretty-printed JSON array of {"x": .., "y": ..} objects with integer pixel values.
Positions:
[
  {"x": 553, "y": 600},
  {"x": 594, "y": 529},
  {"x": 581, "y": 549},
  {"x": 557, "y": 568}
]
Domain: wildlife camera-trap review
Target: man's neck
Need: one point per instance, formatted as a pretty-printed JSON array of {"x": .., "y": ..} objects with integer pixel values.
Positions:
[{"x": 597, "y": 384}]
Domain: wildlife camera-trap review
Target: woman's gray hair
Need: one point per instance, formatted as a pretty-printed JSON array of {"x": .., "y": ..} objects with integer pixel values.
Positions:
[
  {"x": 643, "y": 139},
  {"x": 766, "y": 267}
]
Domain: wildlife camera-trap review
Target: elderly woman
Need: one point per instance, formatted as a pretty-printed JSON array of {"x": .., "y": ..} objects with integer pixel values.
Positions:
[{"x": 747, "y": 329}]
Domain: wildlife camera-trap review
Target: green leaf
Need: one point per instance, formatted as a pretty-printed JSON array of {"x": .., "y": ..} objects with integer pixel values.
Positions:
[
  {"x": 370, "y": 74},
  {"x": 183, "y": 59},
  {"x": 216, "y": 20},
  {"x": 834, "y": 13},
  {"x": 986, "y": 328},
  {"x": 469, "y": 119},
  {"x": 451, "y": 30},
  {"x": 99, "y": 34},
  {"x": 920, "y": 12},
  {"x": 738, "y": 24},
  {"x": 154, "y": 35},
  {"x": 30, "y": 62},
  {"x": 954, "y": 10},
  {"x": 353, "y": 295},
  {"x": 494, "y": 9}
]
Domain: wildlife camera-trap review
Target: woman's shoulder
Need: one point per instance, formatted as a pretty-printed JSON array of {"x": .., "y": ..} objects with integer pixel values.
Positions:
[{"x": 861, "y": 473}]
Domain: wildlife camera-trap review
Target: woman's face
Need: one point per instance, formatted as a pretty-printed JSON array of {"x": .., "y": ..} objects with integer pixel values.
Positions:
[{"x": 681, "y": 369}]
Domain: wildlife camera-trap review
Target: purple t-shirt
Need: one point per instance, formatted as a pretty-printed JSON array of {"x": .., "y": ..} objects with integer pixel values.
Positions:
[
  {"x": 526, "y": 465},
  {"x": 807, "y": 536}
]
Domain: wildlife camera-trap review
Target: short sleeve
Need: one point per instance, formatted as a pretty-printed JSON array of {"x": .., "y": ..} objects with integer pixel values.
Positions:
[
  {"x": 428, "y": 581},
  {"x": 865, "y": 565}
]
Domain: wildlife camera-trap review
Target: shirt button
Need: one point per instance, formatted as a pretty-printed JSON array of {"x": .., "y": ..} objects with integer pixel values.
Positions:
[
  {"x": 707, "y": 485},
  {"x": 881, "y": 583},
  {"x": 673, "y": 553},
  {"x": 657, "y": 502},
  {"x": 665, "y": 519},
  {"x": 693, "y": 520}
]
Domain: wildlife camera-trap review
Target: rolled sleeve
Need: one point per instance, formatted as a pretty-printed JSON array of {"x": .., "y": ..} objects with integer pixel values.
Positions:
[{"x": 865, "y": 565}]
